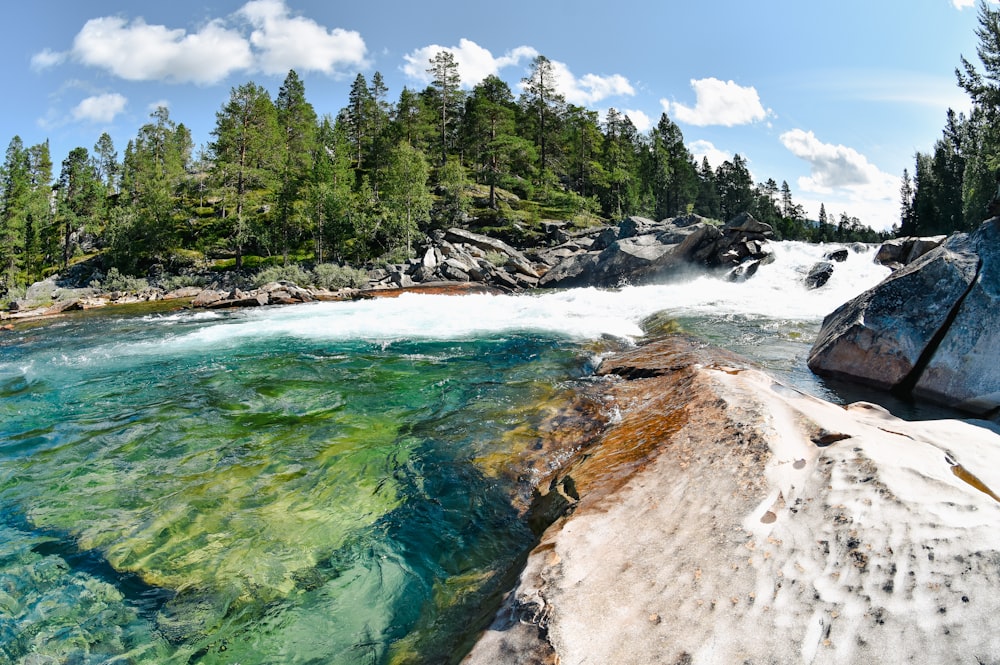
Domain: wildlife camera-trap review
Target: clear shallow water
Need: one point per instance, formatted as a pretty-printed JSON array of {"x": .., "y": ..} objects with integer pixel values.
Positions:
[{"x": 313, "y": 483}]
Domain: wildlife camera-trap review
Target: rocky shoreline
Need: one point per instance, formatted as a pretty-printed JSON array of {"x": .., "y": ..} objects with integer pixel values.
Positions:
[
  {"x": 725, "y": 518},
  {"x": 635, "y": 251}
]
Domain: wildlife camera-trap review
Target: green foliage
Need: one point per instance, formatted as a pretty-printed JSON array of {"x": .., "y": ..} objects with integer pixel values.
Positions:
[
  {"x": 958, "y": 185},
  {"x": 116, "y": 281},
  {"x": 332, "y": 276},
  {"x": 174, "y": 282},
  {"x": 288, "y": 273}
]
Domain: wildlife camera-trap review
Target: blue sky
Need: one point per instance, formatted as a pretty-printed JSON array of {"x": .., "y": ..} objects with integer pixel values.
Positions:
[{"x": 832, "y": 97}]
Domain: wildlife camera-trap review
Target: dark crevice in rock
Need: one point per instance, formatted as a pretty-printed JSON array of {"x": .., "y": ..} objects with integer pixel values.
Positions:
[
  {"x": 824, "y": 438},
  {"x": 904, "y": 389}
]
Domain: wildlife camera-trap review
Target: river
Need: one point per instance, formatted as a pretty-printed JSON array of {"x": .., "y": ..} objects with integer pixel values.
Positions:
[{"x": 320, "y": 483}]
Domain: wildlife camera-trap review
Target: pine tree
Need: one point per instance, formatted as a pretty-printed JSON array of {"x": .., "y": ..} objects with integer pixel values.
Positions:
[
  {"x": 357, "y": 118},
  {"x": 708, "y": 203},
  {"x": 544, "y": 106},
  {"x": 297, "y": 125},
  {"x": 735, "y": 187},
  {"x": 330, "y": 186},
  {"x": 445, "y": 80},
  {"x": 80, "y": 195},
  {"x": 106, "y": 158},
  {"x": 675, "y": 176},
  {"x": 583, "y": 143},
  {"x": 39, "y": 241},
  {"x": 619, "y": 162},
  {"x": 246, "y": 152},
  {"x": 15, "y": 189},
  {"x": 490, "y": 130}
]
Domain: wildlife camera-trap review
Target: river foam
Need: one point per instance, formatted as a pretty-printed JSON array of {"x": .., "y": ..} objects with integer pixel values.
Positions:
[{"x": 777, "y": 292}]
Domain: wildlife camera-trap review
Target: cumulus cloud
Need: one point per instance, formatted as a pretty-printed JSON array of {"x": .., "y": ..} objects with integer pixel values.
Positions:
[
  {"x": 100, "y": 108},
  {"x": 137, "y": 51},
  {"x": 589, "y": 88},
  {"x": 284, "y": 42},
  {"x": 963, "y": 4},
  {"x": 831, "y": 165},
  {"x": 277, "y": 41},
  {"x": 847, "y": 176},
  {"x": 474, "y": 62},
  {"x": 701, "y": 149},
  {"x": 719, "y": 103}
]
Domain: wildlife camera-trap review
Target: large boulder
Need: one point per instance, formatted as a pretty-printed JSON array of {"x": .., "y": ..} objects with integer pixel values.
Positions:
[
  {"x": 932, "y": 328},
  {"x": 641, "y": 251},
  {"x": 897, "y": 252},
  {"x": 964, "y": 371}
]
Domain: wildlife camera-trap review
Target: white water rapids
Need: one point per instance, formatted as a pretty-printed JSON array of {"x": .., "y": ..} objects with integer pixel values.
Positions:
[{"x": 776, "y": 292}]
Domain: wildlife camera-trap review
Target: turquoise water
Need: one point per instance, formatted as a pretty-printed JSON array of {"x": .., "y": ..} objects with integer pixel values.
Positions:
[
  {"x": 226, "y": 489},
  {"x": 324, "y": 483}
]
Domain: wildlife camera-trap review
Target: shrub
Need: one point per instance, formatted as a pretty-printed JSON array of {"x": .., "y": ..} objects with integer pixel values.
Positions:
[
  {"x": 290, "y": 273},
  {"x": 174, "y": 282},
  {"x": 115, "y": 281},
  {"x": 332, "y": 276}
]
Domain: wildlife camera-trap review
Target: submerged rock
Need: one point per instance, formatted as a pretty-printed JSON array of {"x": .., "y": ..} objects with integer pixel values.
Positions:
[
  {"x": 819, "y": 275},
  {"x": 728, "y": 518}
]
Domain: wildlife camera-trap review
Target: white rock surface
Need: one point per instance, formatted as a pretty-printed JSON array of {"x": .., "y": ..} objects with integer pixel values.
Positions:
[{"x": 766, "y": 526}]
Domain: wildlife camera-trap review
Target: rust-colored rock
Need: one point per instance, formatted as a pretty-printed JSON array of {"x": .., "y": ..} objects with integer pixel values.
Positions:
[{"x": 723, "y": 517}]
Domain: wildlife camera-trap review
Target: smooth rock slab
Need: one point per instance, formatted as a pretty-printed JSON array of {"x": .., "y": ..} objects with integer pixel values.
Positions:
[{"x": 729, "y": 519}]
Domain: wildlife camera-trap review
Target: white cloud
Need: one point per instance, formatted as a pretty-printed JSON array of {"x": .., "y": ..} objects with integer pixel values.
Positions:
[
  {"x": 286, "y": 42},
  {"x": 701, "y": 149},
  {"x": 719, "y": 103},
  {"x": 47, "y": 58},
  {"x": 100, "y": 108},
  {"x": 847, "y": 176},
  {"x": 641, "y": 121},
  {"x": 590, "y": 88},
  {"x": 277, "y": 41},
  {"x": 831, "y": 165},
  {"x": 966, "y": 4},
  {"x": 474, "y": 62},
  {"x": 137, "y": 51}
]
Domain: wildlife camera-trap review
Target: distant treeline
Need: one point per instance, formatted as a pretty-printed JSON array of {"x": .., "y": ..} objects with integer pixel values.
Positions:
[{"x": 279, "y": 181}]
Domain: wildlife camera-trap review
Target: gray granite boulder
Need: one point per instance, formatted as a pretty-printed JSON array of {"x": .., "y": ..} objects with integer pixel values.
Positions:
[{"x": 931, "y": 329}]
